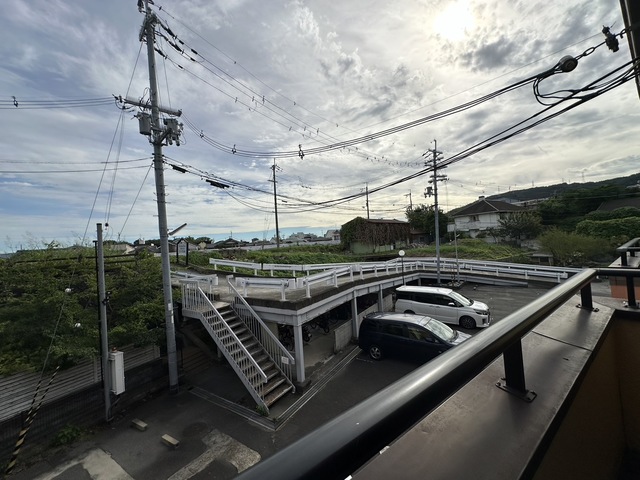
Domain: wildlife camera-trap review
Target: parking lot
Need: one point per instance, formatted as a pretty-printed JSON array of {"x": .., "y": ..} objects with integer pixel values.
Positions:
[{"x": 202, "y": 426}]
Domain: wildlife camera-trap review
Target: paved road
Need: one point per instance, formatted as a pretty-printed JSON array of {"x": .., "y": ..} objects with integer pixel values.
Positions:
[{"x": 216, "y": 443}]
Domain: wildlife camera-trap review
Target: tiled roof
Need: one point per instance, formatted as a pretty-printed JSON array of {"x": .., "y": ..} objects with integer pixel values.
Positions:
[{"x": 487, "y": 206}]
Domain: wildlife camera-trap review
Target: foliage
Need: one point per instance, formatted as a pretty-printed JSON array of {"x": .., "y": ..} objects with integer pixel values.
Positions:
[
  {"x": 423, "y": 219},
  {"x": 67, "y": 435},
  {"x": 572, "y": 249},
  {"x": 569, "y": 208},
  {"x": 297, "y": 256},
  {"x": 623, "y": 229},
  {"x": 521, "y": 225},
  {"x": 623, "y": 212},
  {"x": 361, "y": 230},
  {"x": 473, "y": 249},
  {"x": 49, "y": 306}
]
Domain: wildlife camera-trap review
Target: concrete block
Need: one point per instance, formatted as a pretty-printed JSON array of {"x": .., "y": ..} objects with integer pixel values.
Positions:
[
  {"x": 138, "y": 424},
  {"x": 170, "y": 441}
]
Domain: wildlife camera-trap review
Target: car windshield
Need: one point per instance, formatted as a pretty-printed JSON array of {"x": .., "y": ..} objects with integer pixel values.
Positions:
[
  {"x": 461, "y": 299},
  {"x": 442, "y": 331}
]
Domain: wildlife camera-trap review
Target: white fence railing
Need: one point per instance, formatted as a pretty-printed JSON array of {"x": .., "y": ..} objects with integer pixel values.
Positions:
[{"x": 330, "y": 272}]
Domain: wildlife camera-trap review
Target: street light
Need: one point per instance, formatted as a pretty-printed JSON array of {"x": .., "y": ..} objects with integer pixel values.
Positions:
[{"x": 401, "y": 253}]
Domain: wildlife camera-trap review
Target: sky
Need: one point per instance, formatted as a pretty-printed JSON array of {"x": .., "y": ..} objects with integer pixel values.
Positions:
[{"x": 345, "y": 102}]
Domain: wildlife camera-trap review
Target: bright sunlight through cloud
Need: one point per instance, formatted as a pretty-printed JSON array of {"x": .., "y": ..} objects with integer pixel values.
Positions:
[{"x": 455, "y": 21}]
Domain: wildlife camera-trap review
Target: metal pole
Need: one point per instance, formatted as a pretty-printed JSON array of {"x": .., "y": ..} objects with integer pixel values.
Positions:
[
  {"x": 275, "y": 203},
  {"x": 455, "y": 242},
  {"x": 157, "y": 139},
  {"x": 435, "y": 197},
  {"x": 104, "y": 341}
]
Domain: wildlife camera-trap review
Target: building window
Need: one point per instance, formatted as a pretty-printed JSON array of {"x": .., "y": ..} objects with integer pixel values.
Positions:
[{"x": 474, "y": 218}]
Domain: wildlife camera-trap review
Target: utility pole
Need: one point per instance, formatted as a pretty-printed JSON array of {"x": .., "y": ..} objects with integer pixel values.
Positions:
[
  {"x": 436, "y": 155},
  {"x": 274, "y": 167},
  {"x": 150, "y": 126},
  {"x": 103, "y": 298},
  {"x": 410, "y": 202},
  {"x": 366, "y": 187}
]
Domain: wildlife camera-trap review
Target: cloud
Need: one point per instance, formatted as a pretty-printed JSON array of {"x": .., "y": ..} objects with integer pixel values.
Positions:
[{"x": 270, "y": 77}]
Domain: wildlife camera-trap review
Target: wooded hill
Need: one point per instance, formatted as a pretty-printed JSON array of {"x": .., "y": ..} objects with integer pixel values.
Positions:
[{"x": 551, "y": 191}]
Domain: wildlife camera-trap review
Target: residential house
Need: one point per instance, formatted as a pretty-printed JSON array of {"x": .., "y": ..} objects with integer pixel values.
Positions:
[{"x": 478, "y": 218}]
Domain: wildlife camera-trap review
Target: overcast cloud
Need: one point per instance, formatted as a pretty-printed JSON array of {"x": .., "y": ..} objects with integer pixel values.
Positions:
[{"x": 283, "y": 76}]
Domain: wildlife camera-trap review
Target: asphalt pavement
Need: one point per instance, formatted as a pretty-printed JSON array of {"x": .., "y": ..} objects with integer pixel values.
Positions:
[{"x": 216, "y": 440}]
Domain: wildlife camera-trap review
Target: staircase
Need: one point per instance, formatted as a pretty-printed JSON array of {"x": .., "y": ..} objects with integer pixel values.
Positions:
[{"x": 255, "y": 354}]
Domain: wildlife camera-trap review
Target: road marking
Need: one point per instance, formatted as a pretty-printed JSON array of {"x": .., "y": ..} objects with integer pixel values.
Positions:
[
  {"x": 221, "y": 446},
  {"x": 98, "y": 464}
]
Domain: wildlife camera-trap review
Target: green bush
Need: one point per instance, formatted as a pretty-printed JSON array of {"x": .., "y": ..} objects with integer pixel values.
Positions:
[
  {"x": 67, "y": 435},
  {"x": 628, "y": 228},
  {"x": 573, "y": 249}
]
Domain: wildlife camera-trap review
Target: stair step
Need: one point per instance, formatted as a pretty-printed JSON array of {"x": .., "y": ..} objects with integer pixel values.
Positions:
[
  {"x": 277, "y": 394},
  {"x": 260, "y": 357}
]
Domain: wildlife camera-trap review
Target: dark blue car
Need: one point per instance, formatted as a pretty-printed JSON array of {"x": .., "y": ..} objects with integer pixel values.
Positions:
[{"x": 405, "y": 334}]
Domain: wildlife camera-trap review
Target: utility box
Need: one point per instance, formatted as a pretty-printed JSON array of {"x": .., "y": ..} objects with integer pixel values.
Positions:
[
  {"x": 116, "y": 365},
  {"x": 144, "y": 123}
]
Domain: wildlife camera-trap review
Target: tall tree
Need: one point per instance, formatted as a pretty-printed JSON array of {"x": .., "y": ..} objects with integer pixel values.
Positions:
[{"x": 423, "y": 218}]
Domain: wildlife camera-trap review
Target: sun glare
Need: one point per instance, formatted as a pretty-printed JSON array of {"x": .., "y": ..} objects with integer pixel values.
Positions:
[{"x": 455, "y": 21}]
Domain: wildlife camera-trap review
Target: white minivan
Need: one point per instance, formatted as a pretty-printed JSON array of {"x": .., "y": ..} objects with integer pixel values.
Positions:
[{"x": 443, "y": 304}]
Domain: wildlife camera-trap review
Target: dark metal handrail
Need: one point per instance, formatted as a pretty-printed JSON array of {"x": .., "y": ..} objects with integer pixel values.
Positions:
[
  {"x": 344, "y": 444},
  {"x": 631, "y": 247}
]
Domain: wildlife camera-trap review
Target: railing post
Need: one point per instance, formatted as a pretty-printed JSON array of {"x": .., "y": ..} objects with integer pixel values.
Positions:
[
  {"x": 631, "y": 292},
  {"x": 586, "y": 299},
  {"x": 513, "y": 381},
  {"x": 623, "y": 259}
]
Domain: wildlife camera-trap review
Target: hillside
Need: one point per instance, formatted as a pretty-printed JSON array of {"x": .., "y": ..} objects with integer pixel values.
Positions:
[{"x": 559, "y": 188}]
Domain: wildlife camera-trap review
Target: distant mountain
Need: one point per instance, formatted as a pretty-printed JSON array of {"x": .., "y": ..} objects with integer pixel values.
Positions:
[{"x": 559, "y": 188}]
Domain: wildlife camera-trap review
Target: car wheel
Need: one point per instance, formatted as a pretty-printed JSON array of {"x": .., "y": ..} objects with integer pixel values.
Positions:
[
  {"x": 409, "y": 311},
  {"x": 467, "y": 322},
  {"x": 375, "y": 352}
]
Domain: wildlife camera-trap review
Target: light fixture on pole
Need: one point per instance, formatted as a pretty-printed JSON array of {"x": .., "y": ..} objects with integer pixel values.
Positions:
[{"x": 401, "y": 253}]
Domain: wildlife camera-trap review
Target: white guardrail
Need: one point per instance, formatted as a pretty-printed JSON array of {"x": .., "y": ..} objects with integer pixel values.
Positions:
[{"x": 330, "y": 272}]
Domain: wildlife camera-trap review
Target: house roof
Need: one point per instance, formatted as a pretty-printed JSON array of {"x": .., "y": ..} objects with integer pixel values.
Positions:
[
  {"x": 610, "y": 205},
  {"x": 484, "y": 205},
  {"x": 382, "y": 220}
]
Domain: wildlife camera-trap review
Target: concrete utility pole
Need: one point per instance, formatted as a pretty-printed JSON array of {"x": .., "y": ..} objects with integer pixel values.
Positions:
[
  {"x": 104, "y": 340},
  {"x": 436, "y": 155},
  {"x": 366, "y": 186},
  {"x": 275, "y": 202},
  {"x": 158, "y": 135},
  {"x": 410, "y": 202}
]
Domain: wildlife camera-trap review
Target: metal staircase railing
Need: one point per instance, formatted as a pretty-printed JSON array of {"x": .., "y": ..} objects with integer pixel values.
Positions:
[
  {"x": 284, "y": 361},
  {"x": 197, "y": 304}
]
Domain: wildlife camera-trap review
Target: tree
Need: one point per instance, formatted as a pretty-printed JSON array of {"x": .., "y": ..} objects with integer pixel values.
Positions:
[
  {"x": 521, "y": 225},
  {"x": 48, "y": 298},
  {"x": 571, "y": 249},
  {"x": 423, "y": 219}
]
